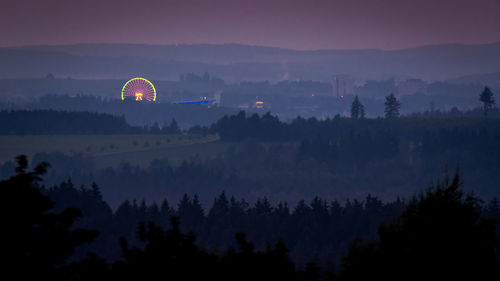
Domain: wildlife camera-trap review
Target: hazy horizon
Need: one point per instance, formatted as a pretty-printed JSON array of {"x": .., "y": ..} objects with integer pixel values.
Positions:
[
  {"x": 250, "y": 45},
  {"x": 299, "y": 25}
]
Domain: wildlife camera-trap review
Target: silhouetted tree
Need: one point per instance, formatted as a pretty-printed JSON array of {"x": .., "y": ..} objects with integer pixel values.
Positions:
[
  {"x": 166, "y": 253},
  {"x": 487, "y": 99},
  {"x": 174, "y": 254},
  {"x": 206, "y": 76},
  {"x": 172, "y": 128},
  {"x": 191, "y": 213},
  {"x": 155, "y": 129},
  {"x": 392, "y": 106},
  {"x": 35, "y": 242},
  {"x": 357, "y": 109},
  {"x": 441, "y": 234}
]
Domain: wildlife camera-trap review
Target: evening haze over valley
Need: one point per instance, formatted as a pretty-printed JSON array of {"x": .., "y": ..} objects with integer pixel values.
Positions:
[{"x": 296, "y": 140}]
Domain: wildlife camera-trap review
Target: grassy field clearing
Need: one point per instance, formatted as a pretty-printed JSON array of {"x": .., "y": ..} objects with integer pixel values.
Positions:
[
  {"x": 174, "y": 154},
  {"x": 112, "y": 149}
]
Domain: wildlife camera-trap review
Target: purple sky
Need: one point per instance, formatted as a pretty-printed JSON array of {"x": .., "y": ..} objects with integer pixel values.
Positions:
[{"x": 301, "y": 24}]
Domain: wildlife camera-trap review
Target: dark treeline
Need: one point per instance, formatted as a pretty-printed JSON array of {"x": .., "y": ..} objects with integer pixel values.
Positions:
[
  {"x": 88, "y": 118},
  {"x": 369, "y": 148},
  {"x": 40, "y": 122},
  {"x": 135, "y": 113},
  {"x": 454, "y": 112},
  {"x": 25, "y": 122},
  {"x": 442, "y": 232},
  {"x": 332, "y": 159},
  {"x": 318, "y": 229},
  {"x": 268, "y": 127},
  {"x": 36, "y": 242}
]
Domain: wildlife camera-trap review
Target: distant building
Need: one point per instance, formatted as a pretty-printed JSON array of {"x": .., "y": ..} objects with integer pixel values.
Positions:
[
  {"x": 217, "y": 96},
  {"x": 342, "y": 85}
]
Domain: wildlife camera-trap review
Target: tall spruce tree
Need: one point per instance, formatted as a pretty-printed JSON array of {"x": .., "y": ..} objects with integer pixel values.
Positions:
[
  {"x": 392, "y": 106},
  {"x": 487, "y": 99},
  {"x": 357, "y": 109}
]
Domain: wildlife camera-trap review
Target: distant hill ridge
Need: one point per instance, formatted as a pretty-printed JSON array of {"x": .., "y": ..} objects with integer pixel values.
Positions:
[{"x": 234, "y": 62}]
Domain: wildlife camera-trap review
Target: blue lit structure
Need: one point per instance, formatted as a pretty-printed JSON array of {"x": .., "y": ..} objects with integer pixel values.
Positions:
[{"x": 199, "y": 102}]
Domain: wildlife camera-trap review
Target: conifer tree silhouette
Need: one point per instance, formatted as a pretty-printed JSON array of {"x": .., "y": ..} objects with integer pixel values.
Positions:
[
  {"x": 441, "y": 234},
  {"x": 34, "y": 241}
]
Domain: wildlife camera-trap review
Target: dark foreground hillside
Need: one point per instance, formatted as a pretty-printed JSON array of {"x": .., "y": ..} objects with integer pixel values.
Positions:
[{"x": 442, "y": 232}]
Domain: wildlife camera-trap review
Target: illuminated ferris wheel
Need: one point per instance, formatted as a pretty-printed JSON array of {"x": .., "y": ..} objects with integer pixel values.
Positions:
[{"x": 139, "y": 89}]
